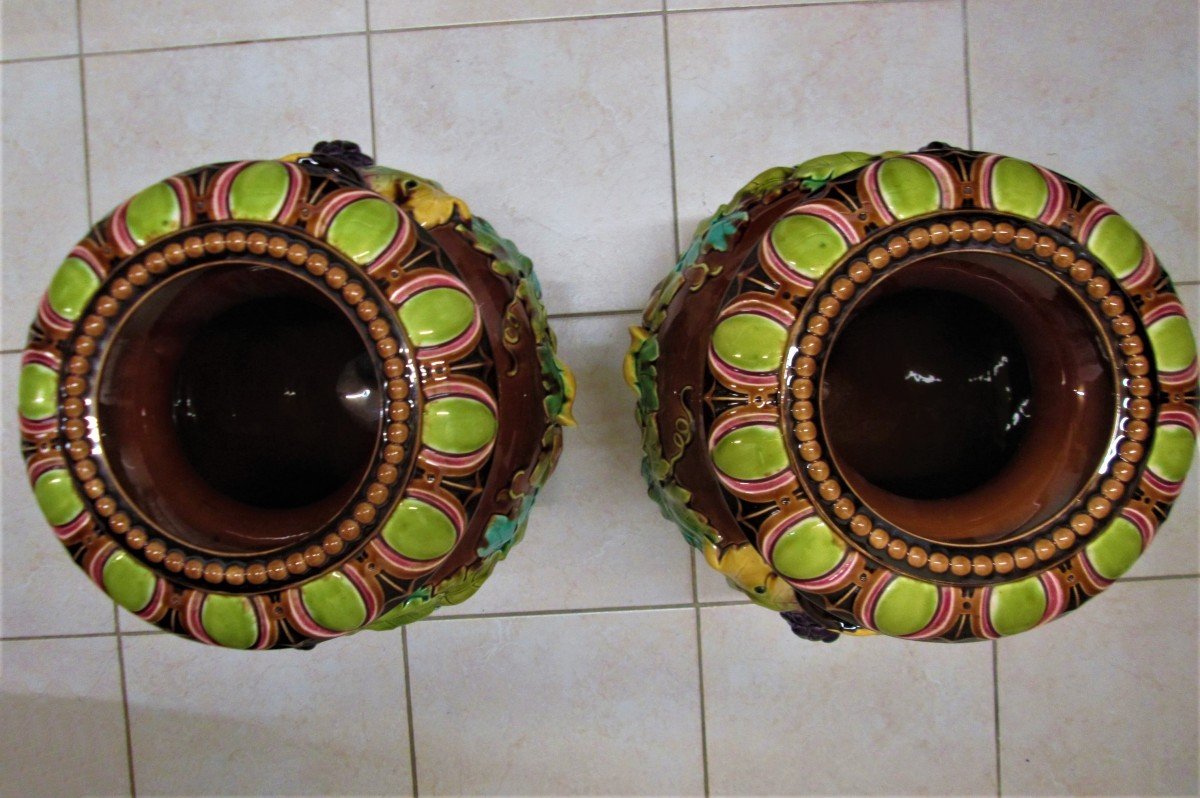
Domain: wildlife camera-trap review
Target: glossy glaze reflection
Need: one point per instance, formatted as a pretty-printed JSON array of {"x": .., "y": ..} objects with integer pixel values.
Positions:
[
  {"x": 932, "y": 394},
  {"x": 968, "y": 396},
  {"x": 251, "y": 389}
]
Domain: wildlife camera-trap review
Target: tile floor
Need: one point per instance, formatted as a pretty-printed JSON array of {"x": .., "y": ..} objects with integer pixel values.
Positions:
[{"x": 597, "y": 660}]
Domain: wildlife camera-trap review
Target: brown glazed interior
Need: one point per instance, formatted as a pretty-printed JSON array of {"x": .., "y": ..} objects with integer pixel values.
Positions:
[
  {"x": 968, "y": 397},
  {"x": 238, "y": 407}
]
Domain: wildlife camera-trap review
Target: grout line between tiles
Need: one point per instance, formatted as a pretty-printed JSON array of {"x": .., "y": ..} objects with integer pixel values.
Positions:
[
  {"x": 670, "y": 127},
  {"x": 588, "y": 314},
  {"x": 996, "y": 712},
  {"x": 370, "y": 79},
  {"x": 79, "y": 636},
  {"x": 83, "y": 111},
  {"x": 700, "y": 673},
  {"x": 542, "y": 613},
  {"x": 125, "y": 704},
  {"x": 446, "y": 26},
  {"x": 178, "y": 47},
  {"x": 1164, "y": 578},
  {"x": 33, "y": 59},
  {"x": 496, "y": 23},
  {"x": 412, "y": 737},
  {"x": 771, "y": 6},
  {"x": 966, "y": 39}
]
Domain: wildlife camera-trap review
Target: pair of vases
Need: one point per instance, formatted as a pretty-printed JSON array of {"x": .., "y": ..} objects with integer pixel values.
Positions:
[{"x": 940, "y": 395}]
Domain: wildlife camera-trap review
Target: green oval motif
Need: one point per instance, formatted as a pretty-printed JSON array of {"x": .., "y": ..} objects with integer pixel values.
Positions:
[
  {"x": 152, "y": 213},
  {"x": 1171, "y": 453},
  {"x": 808, "y": 550},
  {"x": 127, "y": 581},
  {"x": 363, "y": 229},
  {"x": 1017, "y": 606},
  {"x": 334, "y": 602},
  {"x": 750, "y": 342},
  {"x": 437, "y": 315},
  {"x": 906, "y": 606},
  {"x": 1018, "y": 188},
  {"x": 1115, "y": 549},
  {"x": 1117, "y": 245},
  {"x": 1172, "y": 343},
  {"x": 37, "y": 392},
  {"x": 56, "y": 496},
  {"x": 259, "y": 191},
  {"x": 457, "y": 425},
  {"x": 229, "y": 620},
  {"x": 808, "y": 245},
  {"x": 908, "y": 188},
  {"x": 71, "y": 288},
  {"x": 751, "y": 452},
  {"x": 419, "y": 531}
]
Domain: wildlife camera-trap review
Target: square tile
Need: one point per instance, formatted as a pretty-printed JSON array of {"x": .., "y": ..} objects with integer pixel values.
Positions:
[
  {"x": 37, "y": 28},
  {"x": 1103, "y": 702},
  {"x": 1103, "y": 91},
  {"x": 603, "y": 703},
  {"x": 595, "y": 539},
  {"x": 859, "y": 716},
  {"x": 44, "y": 192},
  {"x": 151, "y": 115},
  {"x": 217, "y": 721},
  {"x": 61, "y": 718},
  {"x": 387, "y": 14},
  {"x": 871, "y": 77},
  {"x": 138, "y": 24},
  {"x": 42, "y": 590},
  {"x": 555, "y": 132}
]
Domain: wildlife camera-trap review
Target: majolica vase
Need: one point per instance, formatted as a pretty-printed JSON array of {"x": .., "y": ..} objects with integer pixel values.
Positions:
[
  {"x": 267, "y": 403},
  {"x": 940, "y": 395}
]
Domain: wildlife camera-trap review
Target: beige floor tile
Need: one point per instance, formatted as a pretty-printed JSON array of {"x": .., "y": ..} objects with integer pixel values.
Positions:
[
  {"x": 37, "y": 28},
  {"x": 61, "y": 718},
  {"x": 711, "y": 585},
  {"x": 387, "y": 14},
  {"x": 153, "y": 114},
  {"x": 1103, "y": 702},
  {"x": 1103, "y": 91},
  {"x": 211, "y": 721},
  {"x": 858, "y": 716},
  {"x": 595, "y": 539},
  {"x": 871, "y": 77},
  {"x": 604, "y": 703},
  {"x": 135, "y": 24},
  {"x": 42, "y": 591},
  {"x": 44, "y": 195},
  {"x": 688, "y": 5},
  {"x": 555, "y": 132}
]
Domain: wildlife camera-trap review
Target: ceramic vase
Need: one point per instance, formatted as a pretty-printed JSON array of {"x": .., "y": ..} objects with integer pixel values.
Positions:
[
  {"x": 267, "y": 403},
  {"x": 940, "y": 395}
]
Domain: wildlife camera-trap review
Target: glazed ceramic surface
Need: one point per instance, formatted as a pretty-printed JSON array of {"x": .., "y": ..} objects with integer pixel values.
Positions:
[
  {"x": 268, "y": 403},
  {"x": 940, "y": 395}
]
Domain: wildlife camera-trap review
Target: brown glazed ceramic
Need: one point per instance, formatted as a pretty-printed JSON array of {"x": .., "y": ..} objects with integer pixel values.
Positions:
[
  {"x": 267, "y": 403},
  {"x": 941, "y": 395}
]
